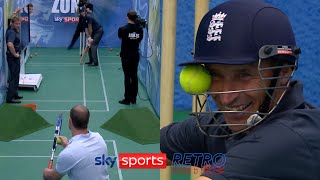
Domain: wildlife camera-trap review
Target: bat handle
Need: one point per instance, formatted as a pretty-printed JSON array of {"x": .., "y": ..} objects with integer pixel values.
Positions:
[{"x": 50, "y": 164}]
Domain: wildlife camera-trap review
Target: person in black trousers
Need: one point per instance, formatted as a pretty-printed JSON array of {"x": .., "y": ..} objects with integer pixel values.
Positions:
[
  {"x": 131, "y": 36},
  {"x": 80, "y": 27},
  {"x": 94, "y": 32},
  {"x": 13, "y": 58}
]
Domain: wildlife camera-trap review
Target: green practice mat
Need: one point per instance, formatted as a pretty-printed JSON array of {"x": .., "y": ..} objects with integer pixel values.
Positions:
[
  {"x": 139, "y": 125},
  {"x": 18, "y": 121}
]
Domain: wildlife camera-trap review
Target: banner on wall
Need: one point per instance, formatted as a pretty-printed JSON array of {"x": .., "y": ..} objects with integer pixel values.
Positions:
[
  {"x": 149, "y": 67},
  {"x": 142, "y": 9},
  {"x": 53, "y": 22},
  {"x": 24, "y": 27},
  {"x": 2, "y": 58}
]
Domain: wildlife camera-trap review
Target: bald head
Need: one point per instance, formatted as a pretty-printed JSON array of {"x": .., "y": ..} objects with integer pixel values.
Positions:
[{"x": 79, "y": 115}]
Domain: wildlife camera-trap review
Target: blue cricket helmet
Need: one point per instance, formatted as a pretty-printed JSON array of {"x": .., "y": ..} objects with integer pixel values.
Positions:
[{"x": 235, "y": 31}]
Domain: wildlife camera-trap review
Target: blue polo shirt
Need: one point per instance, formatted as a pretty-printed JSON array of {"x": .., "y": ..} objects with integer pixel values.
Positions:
[
  {"x": 13, "y": 36},
  {"x": 91, "y": 20},
  {"x": 285, "y": 146},
  {"x": 78, "y": 158}
]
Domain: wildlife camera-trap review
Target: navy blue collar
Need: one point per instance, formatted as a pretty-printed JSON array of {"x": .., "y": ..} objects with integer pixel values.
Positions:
[{"x": 292, "y": 98}]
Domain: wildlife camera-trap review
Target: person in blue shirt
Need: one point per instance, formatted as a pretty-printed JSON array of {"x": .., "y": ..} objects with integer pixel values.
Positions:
[
  {"x": 78, "y": 156},
  {"x": 80, "y": 28},
  {"x": 94, "y": 32},
  {"x": 263, "y": 126},
  {"x": 13, "y": 42}
]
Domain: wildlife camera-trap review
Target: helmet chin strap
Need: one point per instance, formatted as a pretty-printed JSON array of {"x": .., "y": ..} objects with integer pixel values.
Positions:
[{"x": 264, "y": 108}]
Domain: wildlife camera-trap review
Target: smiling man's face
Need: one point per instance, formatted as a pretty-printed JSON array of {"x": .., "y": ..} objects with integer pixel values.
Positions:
[{"x": 234, "y": 78}]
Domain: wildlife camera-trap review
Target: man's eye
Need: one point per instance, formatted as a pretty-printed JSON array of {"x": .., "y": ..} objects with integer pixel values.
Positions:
[
  {"x": 213, "y": 73},
  {"x": 215, "y": 76},
  {"x": 245, "y": 76}
]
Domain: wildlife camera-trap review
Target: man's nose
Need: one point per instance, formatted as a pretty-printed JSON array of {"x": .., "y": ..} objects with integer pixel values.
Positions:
[{"x": 228, "y": 98}]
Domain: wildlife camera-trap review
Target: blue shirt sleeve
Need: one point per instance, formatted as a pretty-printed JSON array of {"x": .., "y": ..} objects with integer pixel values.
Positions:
[
  {"x": 275, "y": 152},
  {"x": 11, "y": 36},
  {"x": 89, "y": 19},
  {"x": 182, "y": 137},
  {"x": 65, "y": 162}
]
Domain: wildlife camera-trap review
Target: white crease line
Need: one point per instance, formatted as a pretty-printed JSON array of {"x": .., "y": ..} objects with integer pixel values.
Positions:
[
  {"x": 84, "y": 86},
  {"x": 52, "y": 110},
  {"x": 42, "y": 110},
  {"x": 116, "y": 152},
  {"x": 66, "y": 65},
  {"x": 58, "y": 63},
  {"x": 119, "y": 63},
  {"x": 30, "y": 100},
  {"x": 65, "y": 56},
  {"x": 44, "y": 140},
  {"x": 34, "y": 63},
  {"x": 26, "y": 156},
  {"x": 103, "y": 86}
]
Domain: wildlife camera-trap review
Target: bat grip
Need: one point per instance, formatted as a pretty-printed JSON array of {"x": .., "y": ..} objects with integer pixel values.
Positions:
[{"x": 50, "y": 164}]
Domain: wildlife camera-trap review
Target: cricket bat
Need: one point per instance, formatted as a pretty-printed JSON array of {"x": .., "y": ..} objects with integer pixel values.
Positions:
[
  {"x": 86, "y": 50},
  {"x": 84, "y": 54}
]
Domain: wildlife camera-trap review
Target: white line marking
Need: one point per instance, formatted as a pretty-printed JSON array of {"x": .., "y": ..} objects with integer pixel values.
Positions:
[
  {"x": 44, "y": 140},
  {"x": 116, "y": 152},
  {"x": 61, "y": 65},
  {"x": 65, "y": 56},
  {"x": 119, "y": 63},
  {"x": 111, "y": 56},
  {"x": 66, "y": 64},
  {"x": 62, "y": 101},
  {"x": 55, "y": 110},
  {"x": 42, "y": 110},
  {"x": 27, "y": 156},
  {"x": 84, "y": 87},
  {"x": 103, "y": 86}
]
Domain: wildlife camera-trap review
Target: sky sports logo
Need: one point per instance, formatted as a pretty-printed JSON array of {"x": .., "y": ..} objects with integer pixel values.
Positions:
[
  {"x": 105, "y": 160},
  {"x": 143, "y": 161},
  {"x": 181, "y": 162},
  {"x": 64, "y": 11},
  {"x": 134, "y": 160},
  {"x": 66, "y": 19}
]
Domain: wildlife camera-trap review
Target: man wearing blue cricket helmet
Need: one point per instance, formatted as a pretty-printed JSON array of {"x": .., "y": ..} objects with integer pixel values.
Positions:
[{"x": 263, "y": 124}]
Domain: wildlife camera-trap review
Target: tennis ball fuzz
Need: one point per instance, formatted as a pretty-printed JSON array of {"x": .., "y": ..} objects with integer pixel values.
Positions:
[
  {"x": 59, "y": 141},
  {"x": 195, "y": 79}
]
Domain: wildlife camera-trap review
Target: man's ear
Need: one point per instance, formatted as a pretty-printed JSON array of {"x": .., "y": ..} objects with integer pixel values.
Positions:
[{"x": 70, "y": 122}]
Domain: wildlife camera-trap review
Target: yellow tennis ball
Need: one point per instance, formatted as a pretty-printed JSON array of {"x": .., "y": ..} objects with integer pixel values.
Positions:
[
  {"x": 59, "y": 141},
  {"x": 195, "y": 79}
]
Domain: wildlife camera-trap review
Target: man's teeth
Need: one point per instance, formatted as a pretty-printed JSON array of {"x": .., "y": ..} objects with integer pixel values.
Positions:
[{"x": 239, "y": 108}]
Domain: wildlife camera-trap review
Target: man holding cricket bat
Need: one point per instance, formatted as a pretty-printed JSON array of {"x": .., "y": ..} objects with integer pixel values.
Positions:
[
  {"x": 78, "y": 156},
  {"x": 94, "y": 32}
]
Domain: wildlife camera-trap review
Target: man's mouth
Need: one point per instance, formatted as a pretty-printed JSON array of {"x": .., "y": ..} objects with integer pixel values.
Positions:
[{"x": 237, "y": 108}]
